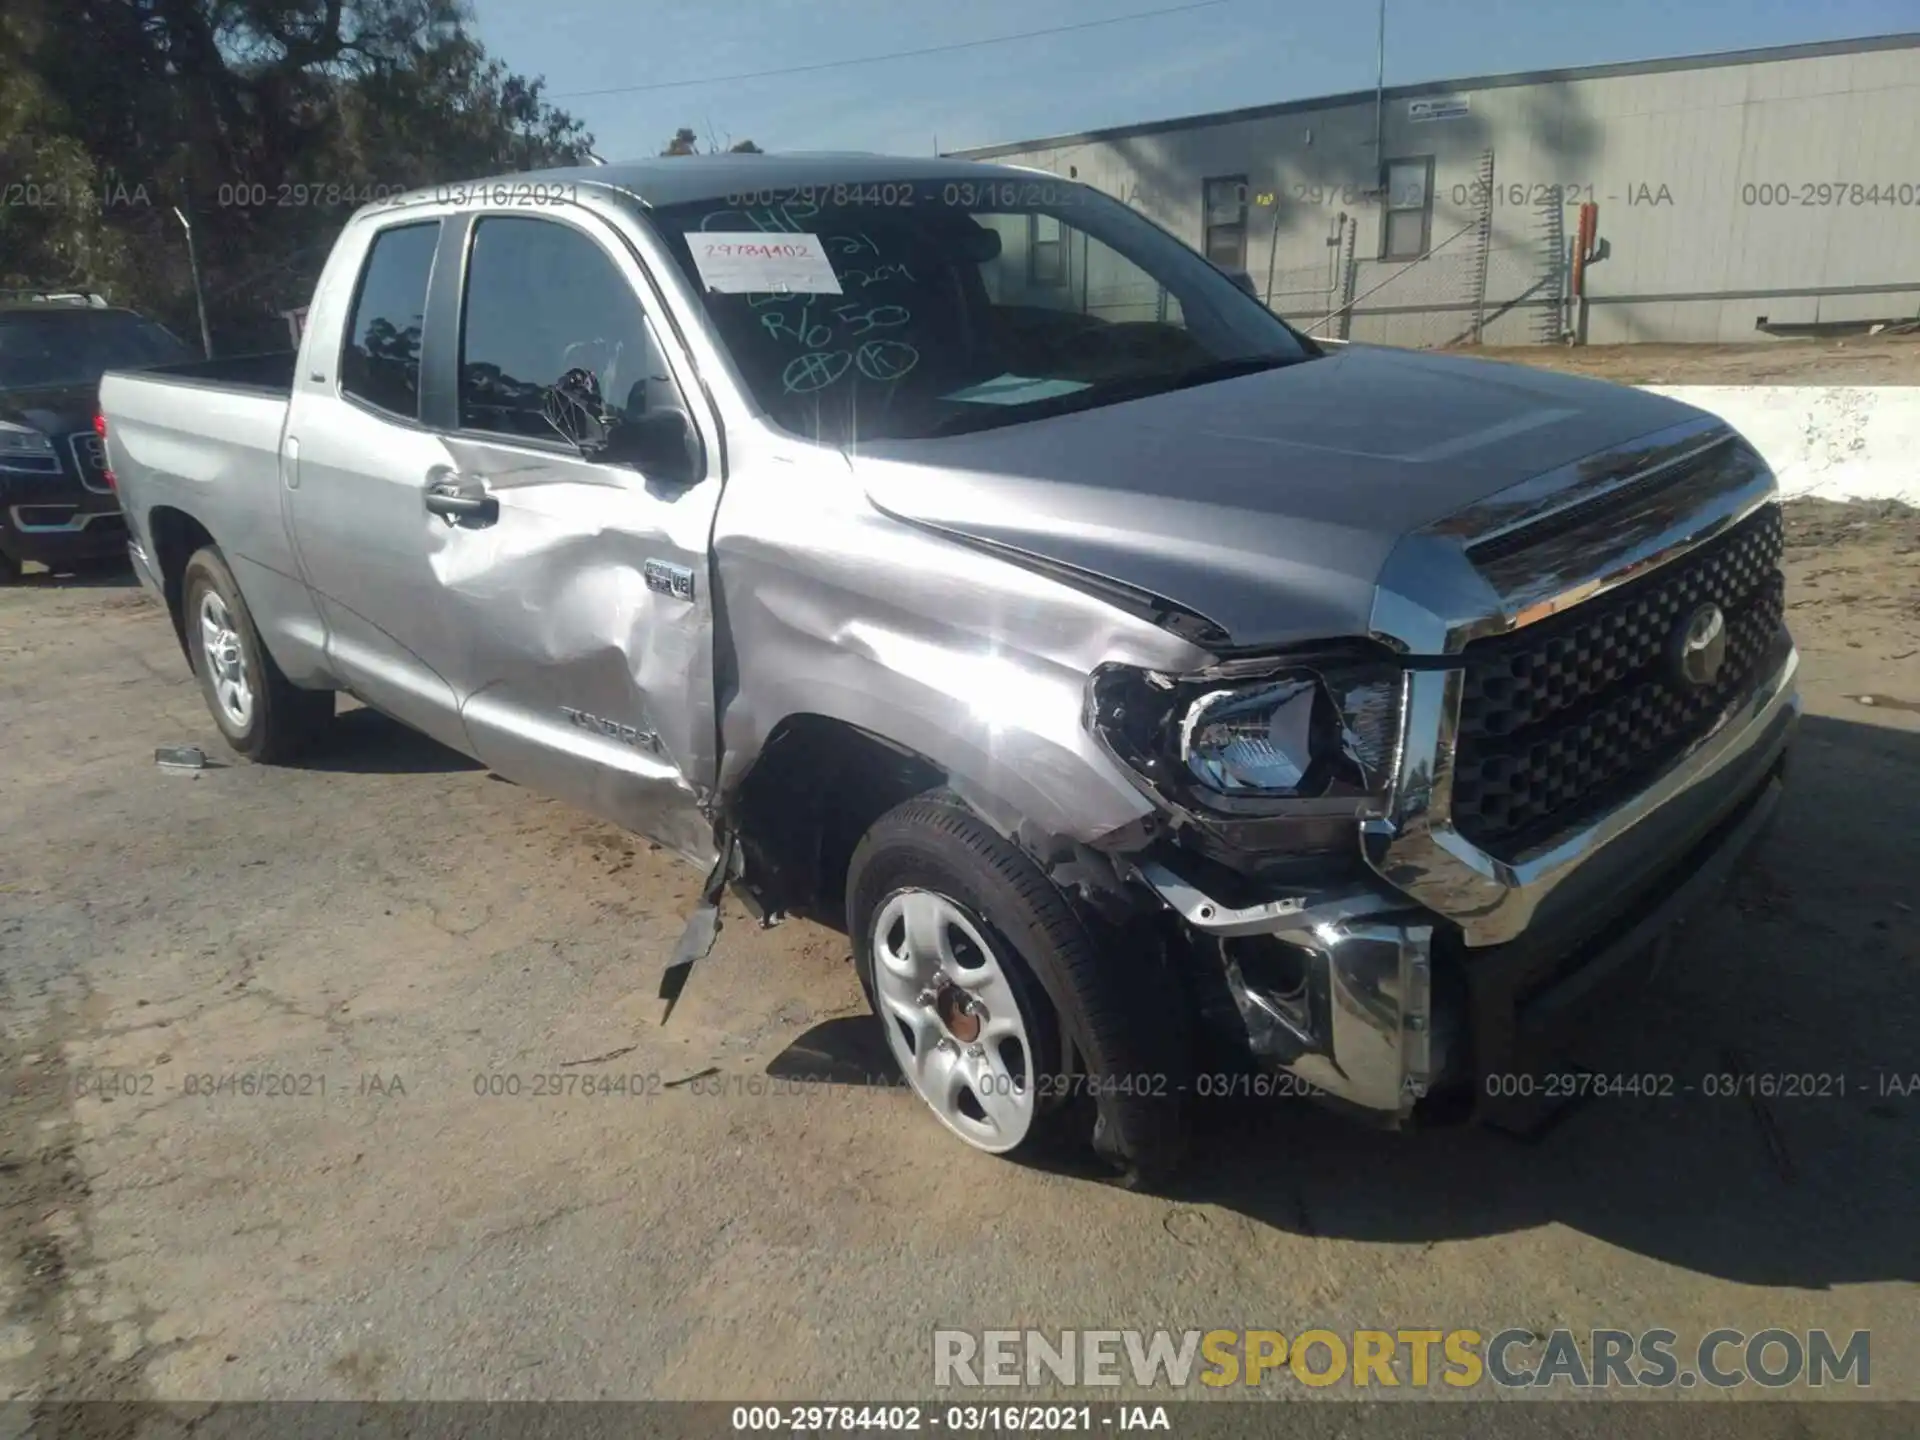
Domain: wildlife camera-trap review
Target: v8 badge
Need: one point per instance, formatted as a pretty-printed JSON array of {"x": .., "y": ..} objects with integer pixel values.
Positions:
[{"x": 666, "y": 578}]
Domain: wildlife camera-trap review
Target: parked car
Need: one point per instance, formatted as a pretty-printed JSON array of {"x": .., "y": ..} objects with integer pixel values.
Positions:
[
  {"x": 947, "y": 552},
  {"x": 57, "y": 504}
]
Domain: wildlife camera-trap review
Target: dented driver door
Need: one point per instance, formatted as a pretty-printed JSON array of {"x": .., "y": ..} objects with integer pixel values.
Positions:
[{"x": 576, "y": 619}]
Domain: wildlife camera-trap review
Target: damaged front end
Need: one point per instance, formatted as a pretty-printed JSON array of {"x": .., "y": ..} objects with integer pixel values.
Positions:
[
  {"x": 1336, "y": 988},
  {"x": 1265, "y": 767}
]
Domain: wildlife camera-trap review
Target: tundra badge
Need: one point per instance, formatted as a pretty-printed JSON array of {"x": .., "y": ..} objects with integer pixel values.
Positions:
[{"x": 626, "y": 734}]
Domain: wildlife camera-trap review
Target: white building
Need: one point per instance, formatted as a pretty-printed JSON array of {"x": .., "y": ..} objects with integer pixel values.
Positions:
[{"x": 1777, "y": 187}]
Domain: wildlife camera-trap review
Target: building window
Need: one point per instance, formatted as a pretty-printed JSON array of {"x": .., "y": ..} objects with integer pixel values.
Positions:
[
  {"x": 1224, "y": 221},
  {"x": 1046, "y": 250},
  {"x": 1407, "y": 228}
]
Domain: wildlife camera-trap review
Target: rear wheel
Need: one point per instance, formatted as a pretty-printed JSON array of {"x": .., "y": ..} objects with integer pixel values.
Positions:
[
  {"x": 262, "y": 714},
  {"x": 1019, "y": 1034},
  {"x": 9, "y": 569}
]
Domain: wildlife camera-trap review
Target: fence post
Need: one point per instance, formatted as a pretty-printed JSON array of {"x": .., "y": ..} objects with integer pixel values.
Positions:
[
  {"x": 1482, "y": 246},
  {"x": 1349, "y": 277}
]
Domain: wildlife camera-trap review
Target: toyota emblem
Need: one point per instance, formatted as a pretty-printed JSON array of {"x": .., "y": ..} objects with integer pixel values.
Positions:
[{"x": 1699, "y": 647}]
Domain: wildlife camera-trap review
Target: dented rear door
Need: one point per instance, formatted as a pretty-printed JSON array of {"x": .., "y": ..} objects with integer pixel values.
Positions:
[{"x": 577, "y": 623}]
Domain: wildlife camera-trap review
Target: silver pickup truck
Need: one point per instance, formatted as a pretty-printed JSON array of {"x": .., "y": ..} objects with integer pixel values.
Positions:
[{"x": 1156, "y": 696}]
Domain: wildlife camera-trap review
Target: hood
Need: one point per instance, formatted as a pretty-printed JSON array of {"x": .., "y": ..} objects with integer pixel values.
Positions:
[
  {"x": 1267, "y": 504},
  {"x": 52, "y": 409}
]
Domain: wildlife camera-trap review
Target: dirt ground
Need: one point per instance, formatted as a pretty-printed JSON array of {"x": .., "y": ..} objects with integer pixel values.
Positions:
[
  {"x": 1863, "y": 360},
  {"x": 395, "y": 936}
]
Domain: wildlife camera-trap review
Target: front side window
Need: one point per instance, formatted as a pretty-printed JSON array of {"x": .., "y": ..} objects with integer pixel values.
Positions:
[
  {"x": 937, "y": 317},
  {"x": 544, "y": 302},
  {"x": 380, "y": 363}
]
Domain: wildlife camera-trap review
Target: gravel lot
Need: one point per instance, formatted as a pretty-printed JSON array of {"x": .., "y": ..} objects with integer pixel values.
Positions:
[
  {"x": 1859, "y": 360},
  {"x": 398, "y": 924}
]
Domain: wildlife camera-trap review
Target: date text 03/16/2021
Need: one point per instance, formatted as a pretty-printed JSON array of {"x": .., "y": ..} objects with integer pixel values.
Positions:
[{"x": 822, "y": 1419}]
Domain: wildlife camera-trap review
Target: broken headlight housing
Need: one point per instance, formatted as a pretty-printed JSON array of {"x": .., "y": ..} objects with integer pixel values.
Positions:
[{"x": 1307, "y": 734}]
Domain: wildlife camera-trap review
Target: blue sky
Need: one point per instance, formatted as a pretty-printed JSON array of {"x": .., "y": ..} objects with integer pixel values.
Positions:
[{"x": 1225, "y": 54}]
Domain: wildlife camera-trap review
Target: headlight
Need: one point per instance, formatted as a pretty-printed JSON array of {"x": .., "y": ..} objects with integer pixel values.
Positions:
[
  {"x": 25, "y": 451},
  {"x": 1256, "y": 738},
  {"x": 1262, "y": 740}
]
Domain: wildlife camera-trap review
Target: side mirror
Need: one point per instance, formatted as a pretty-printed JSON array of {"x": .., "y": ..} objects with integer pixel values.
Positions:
[
  {"x": 979, "y": 244},
  {"x": 660, "y": 444},
  {"x": 1243, "y": 281}
]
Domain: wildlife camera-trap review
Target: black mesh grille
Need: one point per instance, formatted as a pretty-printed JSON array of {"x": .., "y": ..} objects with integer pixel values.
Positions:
[{"x": 1560, "y": 721}]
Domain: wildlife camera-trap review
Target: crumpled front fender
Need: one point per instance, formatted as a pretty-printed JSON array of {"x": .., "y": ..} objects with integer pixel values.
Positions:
[{"x": 968, "y": 660}]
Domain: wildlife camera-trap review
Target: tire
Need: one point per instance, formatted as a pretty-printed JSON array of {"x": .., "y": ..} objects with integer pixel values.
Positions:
[
  {"x": 261, "y": 714},
  {"x": 9, "y": 569},
  {"x": 1102, "y": 1030}
]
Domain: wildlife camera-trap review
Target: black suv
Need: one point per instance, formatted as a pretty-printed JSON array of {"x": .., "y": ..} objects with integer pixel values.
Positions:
[{"x": 57, "y": 504}]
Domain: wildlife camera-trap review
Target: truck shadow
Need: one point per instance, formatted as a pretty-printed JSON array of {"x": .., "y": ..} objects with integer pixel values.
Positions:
[
  {"x": 365, "y": 742},
  {"x": 114, "y": 574},
  {"x": 1803, "y": 971}
]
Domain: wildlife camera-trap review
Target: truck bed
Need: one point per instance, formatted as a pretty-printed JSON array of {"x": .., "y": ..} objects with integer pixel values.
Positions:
[
  {"x": 270, "y": 373},
  {"x": 203, "y": 440}
]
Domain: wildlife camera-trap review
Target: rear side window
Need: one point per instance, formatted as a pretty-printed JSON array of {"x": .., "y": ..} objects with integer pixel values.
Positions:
[
  {"x": 544, "y": 300},
  {"x": 381, "y": 361}
]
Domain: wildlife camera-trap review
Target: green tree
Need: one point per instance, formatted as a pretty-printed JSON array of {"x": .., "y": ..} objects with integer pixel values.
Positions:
[
  {"x": 265, "y": 121},
  {"x": 686, "y": 142}
]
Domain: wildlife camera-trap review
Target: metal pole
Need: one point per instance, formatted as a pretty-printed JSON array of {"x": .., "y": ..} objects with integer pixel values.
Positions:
[
  {"x": 1380, "y": 93},
  {"x": 1273, "y": 249},
  {"x": 199, "y": 296}
]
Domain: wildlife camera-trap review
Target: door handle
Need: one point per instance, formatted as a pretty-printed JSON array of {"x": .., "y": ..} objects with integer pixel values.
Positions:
[{"x": 457, "y": 498}]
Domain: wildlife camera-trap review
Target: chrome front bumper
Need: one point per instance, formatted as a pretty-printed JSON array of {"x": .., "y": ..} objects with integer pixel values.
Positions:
[{"x": 1365, "y": 1028}]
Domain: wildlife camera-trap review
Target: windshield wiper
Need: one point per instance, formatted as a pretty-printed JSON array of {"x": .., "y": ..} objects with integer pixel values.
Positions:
[{"x": 1113, "y": 392}]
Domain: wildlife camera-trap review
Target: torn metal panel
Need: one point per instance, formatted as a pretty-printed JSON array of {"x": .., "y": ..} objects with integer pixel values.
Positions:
[{"x": 702, "y": 929}]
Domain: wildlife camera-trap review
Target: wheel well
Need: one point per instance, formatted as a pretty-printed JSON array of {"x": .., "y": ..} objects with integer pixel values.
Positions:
[
  {"x": 176, "y": 535},
  {"x": 818, "y": 785}
]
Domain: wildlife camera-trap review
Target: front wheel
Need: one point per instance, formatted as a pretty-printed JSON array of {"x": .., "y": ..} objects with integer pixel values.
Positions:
[
  {"x": 262, "y": 714},
  {"x": 9, "y": 569},
  {"x": 1010, "y": 1024}
]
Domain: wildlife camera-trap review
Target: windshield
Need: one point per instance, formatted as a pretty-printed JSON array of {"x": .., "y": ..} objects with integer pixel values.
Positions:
[
  {"x": 922, "y": 308},
  {"x": 69, "y": 347}
]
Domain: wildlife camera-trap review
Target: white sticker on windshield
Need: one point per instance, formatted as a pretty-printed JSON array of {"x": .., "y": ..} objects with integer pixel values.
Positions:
[
  {"x": 737, "y": 262},
  {"x": 1015, "y": 390}
]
